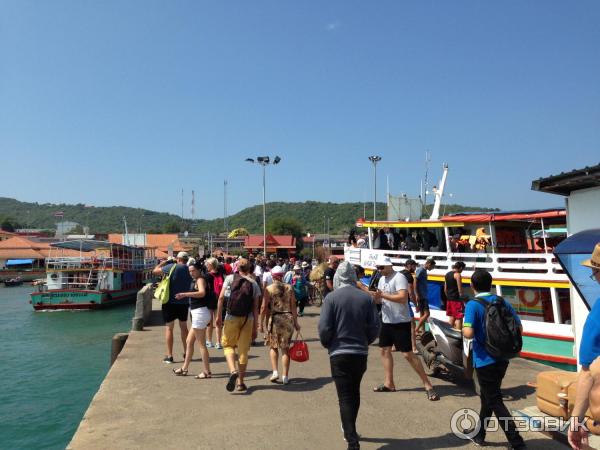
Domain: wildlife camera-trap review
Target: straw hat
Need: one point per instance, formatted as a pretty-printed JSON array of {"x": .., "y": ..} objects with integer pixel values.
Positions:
[{"x": 594, "y": 261}]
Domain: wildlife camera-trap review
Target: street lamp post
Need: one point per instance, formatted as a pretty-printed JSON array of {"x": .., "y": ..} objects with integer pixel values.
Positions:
[
  {"x": 375, "y": 159},
  {"x": 264, "y": 161}
]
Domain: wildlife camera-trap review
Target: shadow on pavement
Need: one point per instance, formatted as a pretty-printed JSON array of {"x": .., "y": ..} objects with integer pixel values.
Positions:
[
  {"x": 295, "y": 385},
  {"x": 445, "y": 441}
]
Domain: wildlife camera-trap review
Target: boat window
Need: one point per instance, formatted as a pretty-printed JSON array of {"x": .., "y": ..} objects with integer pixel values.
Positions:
[{"x": 531, "y": 303}]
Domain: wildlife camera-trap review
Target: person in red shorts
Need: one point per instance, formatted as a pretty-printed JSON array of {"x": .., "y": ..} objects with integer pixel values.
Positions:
[{"x": 453, "y": 288}]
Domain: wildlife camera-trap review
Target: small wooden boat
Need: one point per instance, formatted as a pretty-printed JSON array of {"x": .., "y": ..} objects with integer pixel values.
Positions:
[{"x": 13, "y": 282}]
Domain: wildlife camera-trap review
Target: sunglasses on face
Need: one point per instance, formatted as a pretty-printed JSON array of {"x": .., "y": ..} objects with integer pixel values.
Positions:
[
  {"x": 593, "y": 274},
  {"x": 380, "y": 267}
]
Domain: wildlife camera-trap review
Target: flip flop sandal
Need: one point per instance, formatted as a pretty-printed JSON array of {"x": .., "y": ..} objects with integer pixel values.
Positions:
[
  {"x": 180, "y": 372},
  {"x": 383, "y": 388},
  {"x": 203, "y": 376},
  {"x": 231, "y": 383},
  {"x": 241, "y": 388},
  {"x": 432, "y": 395}
]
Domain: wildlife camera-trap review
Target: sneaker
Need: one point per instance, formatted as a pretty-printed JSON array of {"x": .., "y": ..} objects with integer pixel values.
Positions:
[
  {"x": 285, "y": 380},
  {"x": 477, "y": 440},
  {"x": 168, "y": 360},
  {"x": 218, "y": 345},
  {"x": 208, "y": 344}
]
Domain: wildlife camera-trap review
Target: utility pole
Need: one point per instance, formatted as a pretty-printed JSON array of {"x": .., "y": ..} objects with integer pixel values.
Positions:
[
  {"x": 225, "y": 217},
  {"x": 375, "y": 159},
  {"x": 264, "y": 161}
]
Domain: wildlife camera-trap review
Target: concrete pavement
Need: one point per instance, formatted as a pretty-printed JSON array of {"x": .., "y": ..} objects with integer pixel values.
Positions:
[{"x": 141, "y": 404}]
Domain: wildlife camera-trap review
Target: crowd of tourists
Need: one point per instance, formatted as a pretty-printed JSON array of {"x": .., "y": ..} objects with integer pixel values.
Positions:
[{"x": 235, "y": 300}]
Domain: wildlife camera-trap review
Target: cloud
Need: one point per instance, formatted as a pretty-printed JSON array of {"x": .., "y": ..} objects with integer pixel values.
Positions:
[{"x": 332, "y": 26}]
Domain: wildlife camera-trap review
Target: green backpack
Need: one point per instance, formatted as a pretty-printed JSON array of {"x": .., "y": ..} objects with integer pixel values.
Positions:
[{"x": 162, "y": 291}]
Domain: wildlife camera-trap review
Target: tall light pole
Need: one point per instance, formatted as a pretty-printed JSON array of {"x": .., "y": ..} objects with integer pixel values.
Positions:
[
  {"x": 264, "y": 161},
  {"x": 375, "y": 159}
]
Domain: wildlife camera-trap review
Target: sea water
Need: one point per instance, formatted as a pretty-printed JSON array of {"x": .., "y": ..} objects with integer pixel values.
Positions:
[{"x": 52, "y": 364}]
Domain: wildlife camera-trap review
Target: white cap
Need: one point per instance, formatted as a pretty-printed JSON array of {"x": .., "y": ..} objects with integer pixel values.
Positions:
[
  {"x": 182, "y": 255},
  {"x": 277, "y": 270},
  {"x": 383, "y": 261}
]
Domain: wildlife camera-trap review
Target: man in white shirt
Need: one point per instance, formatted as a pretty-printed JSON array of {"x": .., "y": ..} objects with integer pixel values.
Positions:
[{"x": 392, "y": 294}]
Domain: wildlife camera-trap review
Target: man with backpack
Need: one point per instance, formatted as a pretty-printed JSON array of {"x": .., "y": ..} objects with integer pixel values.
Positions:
[
  {"x": 496, "y": 331},
  {"x": 175, "y": 309},
  {"x": 241, "y": 322}
]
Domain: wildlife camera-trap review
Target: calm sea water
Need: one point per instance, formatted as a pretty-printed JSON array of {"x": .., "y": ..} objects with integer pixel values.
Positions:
[{"x": 52, "y": 365}]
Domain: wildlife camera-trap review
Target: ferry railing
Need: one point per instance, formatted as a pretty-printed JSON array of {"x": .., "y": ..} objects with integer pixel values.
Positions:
[
  {"x": 513, "y": 266},
  {"x": 76, "y": 263}
]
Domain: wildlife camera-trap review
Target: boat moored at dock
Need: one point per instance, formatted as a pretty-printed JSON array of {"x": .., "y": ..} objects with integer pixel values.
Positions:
[{"x": 104, "y": 274}]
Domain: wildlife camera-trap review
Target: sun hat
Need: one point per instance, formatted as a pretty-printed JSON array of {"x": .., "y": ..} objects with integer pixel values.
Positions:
[
  {"x": 182, "y": 255},
  {"x": 594, "y": 261},
  {"x": 383, "y": 261},
  {"x": 304, "y": 264},
  {"x": 297, "y": 267}
]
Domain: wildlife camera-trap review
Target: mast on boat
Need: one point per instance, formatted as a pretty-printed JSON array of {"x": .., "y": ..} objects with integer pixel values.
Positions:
[{"x": 435, "y": 214}]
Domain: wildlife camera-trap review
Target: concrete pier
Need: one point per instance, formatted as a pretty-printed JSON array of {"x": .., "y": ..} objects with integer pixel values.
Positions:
[{"x": 142, "y": 404}]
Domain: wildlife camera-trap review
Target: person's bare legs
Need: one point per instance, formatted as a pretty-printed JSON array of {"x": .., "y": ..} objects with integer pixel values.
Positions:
[
  {"x": 422, "y": 320},
  {"x": 416, "y": 364},
  {"x": 219, "y": 334},
  {"x": 169, "y": 337},
  {"x": 285, "y": 361},
  {"x": 189, "y": 350},
  {"x": 209, "y": 328},
  {"x": 413, "y": 336},
  {"x": 274, "y": 356},
  {"x": 231, "y": 359},
  {"x": 242, "y": 373},
  {"x": 200, "y": 336},
  {"x": 184, "y": 332},
  {"x": 388, "y": 367}
]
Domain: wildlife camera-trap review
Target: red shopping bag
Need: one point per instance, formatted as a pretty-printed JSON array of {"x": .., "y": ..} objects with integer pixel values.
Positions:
[{"x": 299, "y": 350}]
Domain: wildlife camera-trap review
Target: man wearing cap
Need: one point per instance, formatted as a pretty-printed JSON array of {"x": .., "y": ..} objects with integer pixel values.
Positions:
[
  {"x": 589, "y": 350},
  {"x": 174, "y": 309},
  {"x": 392, "y": 293}
]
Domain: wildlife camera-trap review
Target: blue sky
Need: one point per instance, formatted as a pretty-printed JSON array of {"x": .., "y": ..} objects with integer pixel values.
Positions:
[{"x": 128, "y": 102}]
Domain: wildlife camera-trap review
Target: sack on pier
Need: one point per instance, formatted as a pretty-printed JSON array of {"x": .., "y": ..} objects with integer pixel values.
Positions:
[
  {"x": 242, "y": 297},
  {"x": 299, "y": 350},
  {"x": 162, "y": 291}
]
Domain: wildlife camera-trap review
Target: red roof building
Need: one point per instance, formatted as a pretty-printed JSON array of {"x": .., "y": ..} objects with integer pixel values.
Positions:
[{"x": 279, "y": 244}]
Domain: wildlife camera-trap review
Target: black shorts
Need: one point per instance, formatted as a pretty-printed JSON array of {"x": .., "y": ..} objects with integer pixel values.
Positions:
[
  {"x": 396, "y": 334},
  {"x": 171, "y": 311},
  {"x": 423, "y": 304}
]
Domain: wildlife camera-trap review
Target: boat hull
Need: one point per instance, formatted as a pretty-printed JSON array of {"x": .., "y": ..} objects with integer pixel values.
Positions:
[{"x": 79, "y": 299}]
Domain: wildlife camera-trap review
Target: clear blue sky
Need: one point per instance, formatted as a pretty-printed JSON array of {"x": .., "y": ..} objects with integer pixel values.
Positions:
[{"x": 127, "y": 102}]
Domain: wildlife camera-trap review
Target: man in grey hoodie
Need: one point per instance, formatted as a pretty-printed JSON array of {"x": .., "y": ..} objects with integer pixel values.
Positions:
[{"x": 348, "y": 324}]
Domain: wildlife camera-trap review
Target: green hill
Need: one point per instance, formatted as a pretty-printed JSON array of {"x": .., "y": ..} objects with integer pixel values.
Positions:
[{"x": 312, "y": 215}]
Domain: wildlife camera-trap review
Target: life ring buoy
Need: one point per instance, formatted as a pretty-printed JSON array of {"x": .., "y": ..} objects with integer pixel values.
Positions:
[{"x": 537, "y": 296}]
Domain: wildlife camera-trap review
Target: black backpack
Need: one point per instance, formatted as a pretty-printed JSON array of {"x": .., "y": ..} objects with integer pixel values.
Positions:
[
  {"x": 503, "y": 338},
  {"x": 241, "y": 298}
]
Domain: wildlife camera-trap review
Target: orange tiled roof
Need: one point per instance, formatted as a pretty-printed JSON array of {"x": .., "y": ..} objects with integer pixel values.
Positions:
[{"x": 21, "y": 253}]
